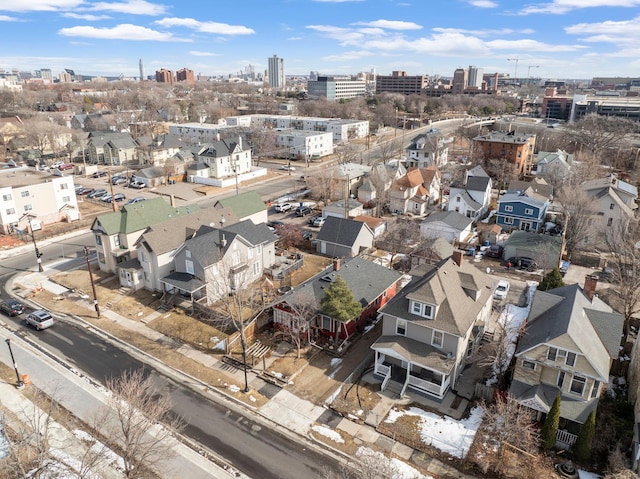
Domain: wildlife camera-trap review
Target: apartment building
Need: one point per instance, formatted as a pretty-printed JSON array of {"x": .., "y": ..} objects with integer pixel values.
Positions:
[
  {"x": 304, "y": 145},
  {"x": 516, "y": 148},
  {"x": 336, "y": 88}
]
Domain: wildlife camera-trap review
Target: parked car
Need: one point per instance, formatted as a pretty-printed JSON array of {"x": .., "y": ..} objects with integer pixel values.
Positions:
[
  {"x": 65, "y": 166},
  {"x": 106, "y": 198},
  {"x": 40, "y": 320},
  {"x": 319, "y": 221},
  {"x": 78, "y": 188},
  {"x": 99, "y": 174},
  {"x": 85, "y": 191},
  {"x": 521, "y": 262},
  {"x": 606, "y": 274},
  {"x": 117, "y": 198},
  {"x": 138, "y": 185},
  {"x": 494, "y": 251},
  {"x": 564, "y": 267},
  {"x": 118, "y": 180},
  {"x": 275, "y": 223},
  {"x": 312, "y": 219},
  {"x": 303, "y": 211},
  {"x": 283, "y": 207},
  {"x": 307, "y": 235},
  {"x": 501, "y": 290},
  {"x": 137, "y": 199},
  {"x": 12, "y": 307},
  {"x": 97, "y": 193},
  {"x": 57, "y": 164}
]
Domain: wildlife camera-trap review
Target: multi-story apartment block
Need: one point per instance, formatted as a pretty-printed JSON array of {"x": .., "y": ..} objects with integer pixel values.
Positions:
[
  {"x": 28, "y": 195},
  {"x": 164, "y": 76},
  {"x": 276, "y": 72},
  {"x": 336, "y": 88},
  {"x": 185, "y": 75},
  {"x": 304, "y": 145},
  {"x": 516, "y": 148},
  {"x": 400, "y": 82}
]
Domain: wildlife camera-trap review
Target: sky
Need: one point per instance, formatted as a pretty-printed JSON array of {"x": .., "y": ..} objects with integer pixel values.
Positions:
[{"x": 563, "y": 39}]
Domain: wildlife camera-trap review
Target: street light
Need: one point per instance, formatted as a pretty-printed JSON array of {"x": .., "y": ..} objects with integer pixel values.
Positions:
[
  {"x": 20, "y": 382},
  {"x": 33, "y": 239}
]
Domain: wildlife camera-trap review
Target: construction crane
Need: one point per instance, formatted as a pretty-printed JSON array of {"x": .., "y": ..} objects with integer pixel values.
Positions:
[
  {"x": 529, "y": 70},
  {"x": 515, "y": 74}
]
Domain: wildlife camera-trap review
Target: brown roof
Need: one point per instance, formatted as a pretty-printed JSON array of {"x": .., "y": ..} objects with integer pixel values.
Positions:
[{"x": 370, "y": 221}]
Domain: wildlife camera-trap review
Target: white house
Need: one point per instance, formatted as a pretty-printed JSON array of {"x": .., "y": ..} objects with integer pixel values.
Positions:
[
  {"x": 449, "y": 225},
  {"x": 220, "y": 159},
  {"x": 471, "y": 196}
]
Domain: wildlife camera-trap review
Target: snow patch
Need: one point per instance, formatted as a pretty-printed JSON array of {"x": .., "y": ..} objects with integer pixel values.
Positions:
[
  {"x": 330, "y": 433},
  {"x": 399, "y": 469},
  {"x": 233, "y": 388}
]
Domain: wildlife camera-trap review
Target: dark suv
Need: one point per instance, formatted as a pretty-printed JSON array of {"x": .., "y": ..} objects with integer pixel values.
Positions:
[
  {"x": 303, "y": 211},
  {"x": 522, "y": 262},
  {"x": 12, "y": 307}
]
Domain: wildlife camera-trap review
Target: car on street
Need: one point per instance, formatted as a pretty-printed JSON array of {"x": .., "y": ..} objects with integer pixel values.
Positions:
[
  {"x": 283, "y": 207},
  {"x": 12, "y": 307},
  {"x": 287, "y": 168},
  {"x": 319, "y": 221},
  {"x": 494, "y": 251},
  {"x": 137, "y": 199},
  {"x": 138, "y": 185},
  {"x": 100, "y": 192},
  {"x": 303, "y": 211},
  {"x": 40, "y": 320},
  {"x": 99, "y": 174},
  {"x": 501, "y": 291},
  {"x": 521, "y": 262}
]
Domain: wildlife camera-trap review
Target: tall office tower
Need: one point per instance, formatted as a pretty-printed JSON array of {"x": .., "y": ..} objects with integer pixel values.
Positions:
[
  {"x": 276, "y": 72},
  {"x": 475, "y": 77},
  {"x": 460, "y": 80},
  {"x": 141, "y": 70}
]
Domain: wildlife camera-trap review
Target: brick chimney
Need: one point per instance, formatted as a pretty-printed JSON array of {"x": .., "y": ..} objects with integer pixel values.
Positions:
[
  {"x": 590, "y": 284},
  {"x": 336, "y": 264},
  {"x": 457, "y": 256}
]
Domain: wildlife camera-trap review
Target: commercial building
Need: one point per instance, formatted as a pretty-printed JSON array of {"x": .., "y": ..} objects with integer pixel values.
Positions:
[
  {"x": 400, "y": 82},
  {"x": 336, "y": 88},
  {"x": 276, "y": 72}
]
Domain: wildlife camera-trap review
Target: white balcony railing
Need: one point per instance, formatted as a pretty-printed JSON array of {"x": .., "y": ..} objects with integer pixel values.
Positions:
[
  {"x": 565, "y": 440},
  {"x": 425, "y": 385}
]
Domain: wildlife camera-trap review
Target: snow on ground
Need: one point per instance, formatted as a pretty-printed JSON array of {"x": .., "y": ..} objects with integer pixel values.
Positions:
[
  {"x": 491, "y": 213},
  {"x": 111, "y": 458},
  {"x": 444, "y": 433},
  {"x": 336, "y": 365},
  {"x": 4, "y": 446},
  {"x": 330, "y": 433},
  {"x": 233, "y": 388},
  {"x": 381, "y": 463},
  {"x": 587, "y": 475}
]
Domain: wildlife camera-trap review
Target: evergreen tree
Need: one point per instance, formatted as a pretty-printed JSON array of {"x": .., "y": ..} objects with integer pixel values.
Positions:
[
  {"x": 553, "y": 279},
  {"x": 550, "y": 428},
  {"x": 339, "y": 303},
  {"x": 582, "y": 447}
]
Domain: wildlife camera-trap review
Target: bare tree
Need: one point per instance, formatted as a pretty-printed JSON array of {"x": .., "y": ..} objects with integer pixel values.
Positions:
[
  {"x": 389, "y": 149},
  {"x": 139, "y": 421},
  {"x": 577, "y": 209},
  {"x": 301, "y": 309},
  {"x": 347, "y": 153},
  {"x": 596, "y": 133},
  {"x": 323, "y": 184}
]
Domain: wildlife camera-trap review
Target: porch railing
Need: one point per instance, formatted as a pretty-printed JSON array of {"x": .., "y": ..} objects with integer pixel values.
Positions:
[
  {"x": 382, "y": 369},
  {"x": 386, "y": 380},
  {"x": 425, "y": 385},
  {"x": 564, "y": 439}
]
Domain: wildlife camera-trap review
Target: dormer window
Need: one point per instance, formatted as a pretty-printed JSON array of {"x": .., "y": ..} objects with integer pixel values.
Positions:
[{"x": 422, "y": 309}]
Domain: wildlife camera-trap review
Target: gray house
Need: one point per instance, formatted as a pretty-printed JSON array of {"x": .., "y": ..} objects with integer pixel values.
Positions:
[
  {"x": 543, "y": 249},
  {"x": 341, "y": 238}
]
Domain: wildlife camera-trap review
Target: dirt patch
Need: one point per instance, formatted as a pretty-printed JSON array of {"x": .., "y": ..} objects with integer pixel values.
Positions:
[
  {"x": 313, "y": 264},
  {"x": 176, "y": 324},
  {"x": 357, "y": 401}
]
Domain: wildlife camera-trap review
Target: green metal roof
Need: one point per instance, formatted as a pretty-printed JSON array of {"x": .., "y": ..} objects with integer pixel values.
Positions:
[{"x": 244, "y": 204}]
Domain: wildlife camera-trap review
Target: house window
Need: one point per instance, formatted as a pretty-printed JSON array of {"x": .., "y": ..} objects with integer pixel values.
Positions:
[
  {"x": 508, "y": 208},
  {"x": 116, "y": 241},
  {"x": 416, "y": 308},
  {"x": 64, "y": 186},
  {"x": 437, "y": 339},
  {"x": 401, "y": 327},
  {"x": 457, "y": 199},
  {"x": 11, "y": 211},
  {"x": 552, "y": 353},
  {"x": 528, "y": 211},
  {"x": 188, "y": 266},
  {"x": 595, "y": 389},
  {"x": 98, "y": 240},
  {"x": 610, "y": 222},
  {"x": 327, "y": 323},
  {"x": 508, "y": 220},
  {"x": 28, "y": 207},
  {"x": 256, "y": 268},
  {"x": 571, "y": 359},
  {"x": 6, "y": 197},
  {"x": 24, "y": 194},
  {"x": 66, "y": 199},
  {"x": 187, "y": 253},
  {"x": 577, "y": 385},
  {"x": 428, "y": 311},
  {"x": 560, "y": 382},
  {"x": 528, "y": 365},
  {"x": 612, "y": 206}
]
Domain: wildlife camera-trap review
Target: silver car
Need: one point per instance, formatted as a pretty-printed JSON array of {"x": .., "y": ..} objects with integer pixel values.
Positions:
[{"x": 40, "y": 320}]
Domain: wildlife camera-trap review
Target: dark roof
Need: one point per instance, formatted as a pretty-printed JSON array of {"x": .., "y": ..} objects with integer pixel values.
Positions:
[
  {"x": 183, "y": 281},
  {"x": 254, "y": 234},
  {"x": 477, "y": 183},
  {"x": 341, "y": 231}
]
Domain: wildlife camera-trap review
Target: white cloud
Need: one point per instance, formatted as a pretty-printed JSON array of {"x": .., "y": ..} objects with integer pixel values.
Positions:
[
  {"x": 87, "y": 16},
  {"x": 483, "y": 3},
  {"x": 132, "y": 7},
  {"x": 527, "y": 45},
  {"x": 206, "y": 27},
  {"x": 124, "y": 31},
  {"x": 7, "y": 18},
  {"x": 295, "y": 39},
  {"x": 347, "y": 56},
  {"x": 337, "y": 1},
  {"x": 196, "y": 53},
  {"x": 483, "y": 33},
  {"x": 559, "y": 7},
  {"x": 622, "y": 28},
  {"x": 391, "y": 25},
  {"x": 343, "y": 35},
  {"x": 39, "y": 5}
]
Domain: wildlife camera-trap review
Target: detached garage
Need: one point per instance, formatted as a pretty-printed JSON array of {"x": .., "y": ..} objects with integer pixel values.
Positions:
[
  {"x": 543, "y": 249},
  {"x": 449, "y": 225}
]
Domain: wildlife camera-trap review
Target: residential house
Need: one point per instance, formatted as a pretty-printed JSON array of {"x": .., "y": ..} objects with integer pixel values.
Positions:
[
  {"x": 431, "y": 252},
  {"x": 432, "y": 328},
  {"x": 513, "y": 147},
  {"x": 428, "y": 149},
  {"x": 553, "y": 164},
  {"x": 156, "y": 245},
  {"x": 112, "y": 148},
  {"x": 44, "y": 199},
  {"x": 449, "y": 225},
  {"x": 377, "y": 225},
  {"x": 545, "y": 250},
  {"x": 246, "y": 206},
  {"x": 90, "y": 122},
  {"x": 220, "y": 159},
  {"x": 371, "y": 284},
  {"x": 157, "y": 151},
  {"x": 569, "y": 342},
  {"x": 521, "y": 210},
  {"x": 219, "y": 261},
  {"x": 471, "y": 196},
  {"x": 10, "y": 128},
  {"x": 117, "y": 233},
  {"x": 408, "y": 194},
  {"x": 343, "y": 209},
  {"x": 613, "y": 203},
  {"x": 379, "y": 180},
  {"x": 347, "y": 178},
  {"x": 341, "y": 237},
  {"x": 537, "y": 186}
]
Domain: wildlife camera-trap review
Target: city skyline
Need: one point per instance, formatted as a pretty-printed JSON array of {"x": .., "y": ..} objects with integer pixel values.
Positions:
[{"x": 552, "y": 39}]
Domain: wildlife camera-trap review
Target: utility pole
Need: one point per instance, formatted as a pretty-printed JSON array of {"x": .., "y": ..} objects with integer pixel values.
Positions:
[
  {"x": 35, "y": 246},
  {"x": 515, "y": 73},
  {"x": 93, "y": 285},
  {"x": 19, "y": 381}
]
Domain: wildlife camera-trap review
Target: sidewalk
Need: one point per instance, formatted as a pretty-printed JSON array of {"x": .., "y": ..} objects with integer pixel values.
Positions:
[{"x": 285, "y": 410}]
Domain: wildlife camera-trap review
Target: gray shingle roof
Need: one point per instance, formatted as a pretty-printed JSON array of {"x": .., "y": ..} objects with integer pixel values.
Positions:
[
  {"x": 254, "y": 234},
  {"x": 450, "y": 218},
  {"x": 341, "y": 231}
]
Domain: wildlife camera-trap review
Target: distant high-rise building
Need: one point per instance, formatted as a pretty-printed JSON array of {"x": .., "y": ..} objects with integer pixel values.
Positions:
[
  {"x": 276, "y": 72},
  {"x": 164, "y": 76},
  {"x": 460, "y": 81},
  {"x": 141, "y": 70},
  {"x": 475, "y": 77},
  {"x": 185, "y": 75},
  {"x": 400, "y": 82},
  {"x": 44, "y": 73},
  {"x": 64, "y": 77}
]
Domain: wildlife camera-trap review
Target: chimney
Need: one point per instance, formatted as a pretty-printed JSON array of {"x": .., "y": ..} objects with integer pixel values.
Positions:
[
  {"x": 336, "y": 264},
  {"x": 218, "y": 136},
  {"x": 457, "y": 257},
  {"x": 240, "y": 141},
  {"x": 590, "y": 284}
]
